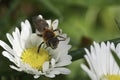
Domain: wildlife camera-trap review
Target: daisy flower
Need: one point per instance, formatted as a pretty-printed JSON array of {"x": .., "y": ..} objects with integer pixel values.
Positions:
[
  {"x": 23, "y": 52},
  {"x": 102, "y": 65}
]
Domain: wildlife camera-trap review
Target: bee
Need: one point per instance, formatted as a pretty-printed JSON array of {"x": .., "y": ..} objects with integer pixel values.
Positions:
[{"x": 48, "y": 34}]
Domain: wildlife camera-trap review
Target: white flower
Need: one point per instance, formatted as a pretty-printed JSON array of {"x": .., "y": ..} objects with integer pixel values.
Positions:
[
  {"x": 23, "y": 52},
  {"x": 102, "y": 65}
]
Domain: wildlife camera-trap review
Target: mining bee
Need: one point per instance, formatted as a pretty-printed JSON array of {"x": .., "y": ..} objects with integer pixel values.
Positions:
[{"x": 48, "y": 34}]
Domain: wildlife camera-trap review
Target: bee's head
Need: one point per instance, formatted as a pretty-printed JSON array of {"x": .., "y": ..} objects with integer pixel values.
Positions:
[{"x": 53, "y": 42}]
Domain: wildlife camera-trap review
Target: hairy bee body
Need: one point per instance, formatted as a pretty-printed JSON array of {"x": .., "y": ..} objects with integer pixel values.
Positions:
[{"x": 48, "y": 34}]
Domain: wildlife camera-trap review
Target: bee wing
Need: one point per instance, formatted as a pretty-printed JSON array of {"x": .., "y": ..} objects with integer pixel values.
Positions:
[{"x": 39, "y": 23}]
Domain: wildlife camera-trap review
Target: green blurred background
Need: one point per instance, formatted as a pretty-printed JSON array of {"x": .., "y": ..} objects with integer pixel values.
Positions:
[{"x": 83, "y": 20}]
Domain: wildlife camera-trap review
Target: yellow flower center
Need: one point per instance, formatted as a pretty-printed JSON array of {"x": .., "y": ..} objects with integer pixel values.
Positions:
[
  {"x": 112, "y": 77},
  {"x": 34, "y": 59}
]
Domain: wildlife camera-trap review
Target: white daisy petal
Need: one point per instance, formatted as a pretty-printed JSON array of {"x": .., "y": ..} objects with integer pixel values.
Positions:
[
  {"x": 17, "y": 32},
  {"x": 91, "y": 75},
  {"x": 50, "y": 75},
  {"x": 52, "y": 62},
  {"x": 49, "y": 22},
  {"x": 25, "y": 34},
  {"x": 55, "y": 72},
  {"x": 10, "y": 38},
  {"x": 17, "y": 44},
  {"x": 55, "y": 24},
  {"x": 15, "y": 68},
  {"x": 16, "y": 36},
  {"x": 36, "y": 76},
  {"x": 35, "y": 40},
  {"x": 9, "y": 56},
  {"x": 63, "y": 70},
  {"x": 28, "y": 26},
  {"x": 63, "y": 63},
  {"x": 64, "y": 60},
  {"x": 117, "y": 49},
  {"x": 6, "y": 47},
  {"x": 45, "y": 66}
]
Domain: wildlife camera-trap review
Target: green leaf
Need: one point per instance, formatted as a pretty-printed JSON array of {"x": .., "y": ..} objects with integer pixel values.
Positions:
[{"x": 117, "y": 59}]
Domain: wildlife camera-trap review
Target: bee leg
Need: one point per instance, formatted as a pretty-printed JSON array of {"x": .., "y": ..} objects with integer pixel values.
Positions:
[
  {"x": 39, "y": 35},
  {"x": 39, "y": 47},
  {"x": 63, "y": 39},
  {"x": 57, "y": 30},
  {"x": 46, "y": 47}
]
